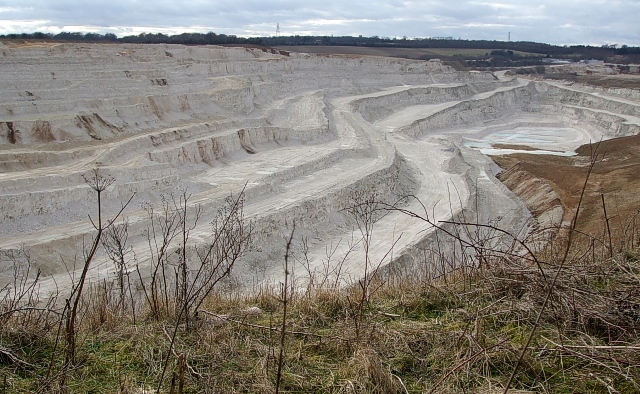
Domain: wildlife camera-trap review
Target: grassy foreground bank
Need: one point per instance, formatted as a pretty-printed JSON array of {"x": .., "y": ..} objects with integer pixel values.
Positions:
[{"x": 463, "y": 332}]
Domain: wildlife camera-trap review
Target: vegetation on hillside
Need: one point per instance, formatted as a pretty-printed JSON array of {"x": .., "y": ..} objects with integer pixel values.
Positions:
[{"x": 506, "y": 52}]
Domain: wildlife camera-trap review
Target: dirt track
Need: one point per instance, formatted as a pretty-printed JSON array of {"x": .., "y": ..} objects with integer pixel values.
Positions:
[{"x": 304, "y": 134}]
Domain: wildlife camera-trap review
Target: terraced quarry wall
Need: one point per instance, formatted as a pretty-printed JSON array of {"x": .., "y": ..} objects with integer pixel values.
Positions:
[{"x": 304, "y": 136}]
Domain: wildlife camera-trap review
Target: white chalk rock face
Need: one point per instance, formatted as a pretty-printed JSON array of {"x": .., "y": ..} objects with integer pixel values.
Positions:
[{"x": 306, "y": 137}]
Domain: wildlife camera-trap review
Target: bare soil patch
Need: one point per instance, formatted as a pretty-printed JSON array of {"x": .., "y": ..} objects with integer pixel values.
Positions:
[
  {"x": 514, "y": 147},
  {"x": 30, "y": 44},
  {"x": 616, "y": 176}
]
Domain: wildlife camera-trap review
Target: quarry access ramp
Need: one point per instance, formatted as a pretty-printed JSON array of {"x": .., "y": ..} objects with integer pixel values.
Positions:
[{"x": 305, "y": 137}]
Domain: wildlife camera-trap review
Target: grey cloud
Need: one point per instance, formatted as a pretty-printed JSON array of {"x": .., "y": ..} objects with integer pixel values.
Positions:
[{"x": 568, "y": 22}]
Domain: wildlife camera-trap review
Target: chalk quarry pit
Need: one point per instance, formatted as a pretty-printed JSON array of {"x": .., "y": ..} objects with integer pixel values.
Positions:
[{"x": 303, "y": 133}]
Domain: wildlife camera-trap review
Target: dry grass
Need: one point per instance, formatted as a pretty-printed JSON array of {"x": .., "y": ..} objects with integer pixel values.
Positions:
[{"x": 464, "y": 334}]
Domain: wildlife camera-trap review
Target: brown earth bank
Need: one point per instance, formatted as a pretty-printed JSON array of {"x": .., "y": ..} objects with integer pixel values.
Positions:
[
  {"x": 614, "y": 180},
  {"x": 28, "y": 43}
]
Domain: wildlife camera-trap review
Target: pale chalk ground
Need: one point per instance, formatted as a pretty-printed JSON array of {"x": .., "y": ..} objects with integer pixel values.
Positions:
[{"x": 283, "y": 177}]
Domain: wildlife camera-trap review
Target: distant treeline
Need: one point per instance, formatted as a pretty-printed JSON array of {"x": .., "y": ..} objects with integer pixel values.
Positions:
[
  {"x": 574, "y": 52},
  {"x": 190, "y": 39},
  {"x": 64, "y": 36},
  {"x": 142, "y": 38}
]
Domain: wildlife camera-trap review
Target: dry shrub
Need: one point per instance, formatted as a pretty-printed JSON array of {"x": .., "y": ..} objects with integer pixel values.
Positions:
[
  {"x": 366, "y": 373},
  {"x": 595, "y": 296},
  {"x": 102, "y": 309}
]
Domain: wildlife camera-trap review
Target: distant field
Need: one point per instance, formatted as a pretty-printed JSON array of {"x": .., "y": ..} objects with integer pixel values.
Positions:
[
  {"x": 603, "y": 81},
  {"x": 472, "y": 52},
  {"x": 409, "y": 53},
  {"x": 460, "y": 51}
]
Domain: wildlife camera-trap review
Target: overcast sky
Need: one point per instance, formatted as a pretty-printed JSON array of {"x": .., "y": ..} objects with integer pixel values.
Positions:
[{"x": 592, "y": 22}]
